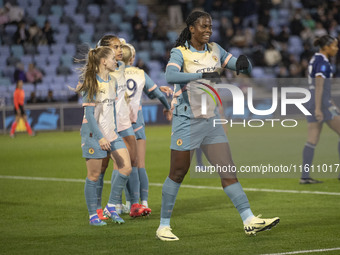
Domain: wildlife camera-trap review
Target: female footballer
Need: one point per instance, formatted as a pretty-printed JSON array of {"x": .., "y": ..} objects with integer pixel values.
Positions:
[
  {"x": 321, "y": 106},
  {"x": 124, "y": 126},
  {"x": 99, "y": 136},
  {"x": 195, "y": 61},
  {"x": 137, "y": 82}
]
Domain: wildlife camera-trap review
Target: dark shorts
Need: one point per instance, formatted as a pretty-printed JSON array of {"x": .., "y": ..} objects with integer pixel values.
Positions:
[
  {"x": 21, "y": 109},
  {"x": 328, "y": 114}
]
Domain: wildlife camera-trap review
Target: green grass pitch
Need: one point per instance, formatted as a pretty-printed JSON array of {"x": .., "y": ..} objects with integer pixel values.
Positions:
[{"x": 50, "y": 217}]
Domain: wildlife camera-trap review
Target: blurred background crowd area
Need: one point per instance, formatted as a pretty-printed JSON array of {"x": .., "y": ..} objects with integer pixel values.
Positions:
[{"x": 41, "y": 39}]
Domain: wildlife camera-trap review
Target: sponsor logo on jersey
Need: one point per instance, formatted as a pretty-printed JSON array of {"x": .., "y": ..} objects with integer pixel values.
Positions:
[{"x": 215, "y": 58}]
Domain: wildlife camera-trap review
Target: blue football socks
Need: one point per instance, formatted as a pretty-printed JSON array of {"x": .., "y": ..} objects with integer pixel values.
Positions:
[
  {"x": 169, "y": 194},
  {"x": 117, "y": 186},
  {"x": 91, "y": 196},
  {"x": 144, "y": 184},
  {"x": 134, "y": 186},
  {"x": 99, "y": 189},
  {"x": 239, "y": 198}
]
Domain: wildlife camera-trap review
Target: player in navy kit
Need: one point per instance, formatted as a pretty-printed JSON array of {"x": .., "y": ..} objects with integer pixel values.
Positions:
[
  {"x": 321, "y": 106},
  {"x": 193, "y": 60}
]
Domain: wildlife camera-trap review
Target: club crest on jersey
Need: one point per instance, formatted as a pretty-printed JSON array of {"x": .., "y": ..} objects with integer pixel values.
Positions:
[
  {"x": 215, "y": 58},
  {"x": 179, "y": 142},
  {"x": 91, "y": 151}
]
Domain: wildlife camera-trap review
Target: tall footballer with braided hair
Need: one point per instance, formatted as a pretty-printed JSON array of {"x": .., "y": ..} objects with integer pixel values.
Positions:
[{"x": 195, "y": 61}]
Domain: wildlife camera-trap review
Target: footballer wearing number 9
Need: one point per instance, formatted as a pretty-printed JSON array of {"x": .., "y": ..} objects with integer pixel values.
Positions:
[
  {"x": 195, "y": 61},
  {"x": 137, "y": 82}
]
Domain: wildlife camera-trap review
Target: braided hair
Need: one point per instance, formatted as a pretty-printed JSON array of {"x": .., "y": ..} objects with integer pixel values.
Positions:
[
  {"x": 190, "y": 21},
  {"x": 324, "y": 41},
  {"x": 106, "y": 40}
]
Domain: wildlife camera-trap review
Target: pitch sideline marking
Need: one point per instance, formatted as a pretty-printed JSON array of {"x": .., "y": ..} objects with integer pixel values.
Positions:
[
  {"x": 183, "y": 185},
  {"x": 306, "y": 251}
]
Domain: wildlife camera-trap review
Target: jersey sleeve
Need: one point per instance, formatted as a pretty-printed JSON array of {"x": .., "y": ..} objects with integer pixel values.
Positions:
[
  {"x": 322, "y": 69},
  {"x": 229, "y": 61},
  {"x": 225, "y": 56},
  {"x": 173, "y": 72},
  {"x": 152, "y": 91}
]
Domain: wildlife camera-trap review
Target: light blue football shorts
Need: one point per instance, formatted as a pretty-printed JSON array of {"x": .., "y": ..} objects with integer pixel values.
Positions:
[
  {"x": 91, "y": 147},
  {"x": 189, "y": 134},
  {"x": 127, "y": 132}
]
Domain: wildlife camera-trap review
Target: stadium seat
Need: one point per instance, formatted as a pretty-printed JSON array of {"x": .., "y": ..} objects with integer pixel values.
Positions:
[
  {"x": 63, "y": 70},
  {"x": 57, "y": 10},
  {"x": 17, "y": 51},
  {"x": 35, "y": 2},
  {"x": 116, "y": 18},
  {"x": 40, "y": 60},
  {"x": 53, "y": 59},
  {"x": 93, "y": 10},
  {"x": 42, "y": 90},
  {"x": 57, "y": 49},
  {"x": 295, "y": 45},
  {"x": 85, "y": 38},
  {"x": 43, "y": 49},
  {"x": 48, "y": 79},
  {"x": 143, "y": 11},
  {"x": 49, "y": 69},
  {"x": 158, "y": 48},
  {"x": 32, "y": 11},
  {"x": 144, "y": 55},
  {"x": 30, "y": 49},
  {"x": 26, "y": 60},
  {"x": 40, "y": 19},
  {"x": 8, "y": 72},
  {"x": 125, "y": 26},
  {"x": 130, "y": 10},
  {"x": 172, "y": 36},
  {"x": 63, "y": 29},
  {"x": 60, "y": 38},
  {"x": 22, "y": 3},
  {"x": 4, "y": 51},
  {"x": 123, "y": 34},
  {"x": 67, "y": 60},
  {"x": 3, "y": 89},
  {"x": 257, "y": 72},
  {"x": 120, "y": 2},
  {"x": 28, "y": 88},
  {"x": 154, "y": 65},
  {"x": 78, "y": 19},
  {"x": 88, "y": 28},
  {"x": 55, "y": 21},
  {"x": 70, "y": 10},
  {"x": 12, "y": 61},
  {"x": 3, "y": 63},
  {"x": 4, "y": 81},
  {"x": 70, "y": 49}
]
